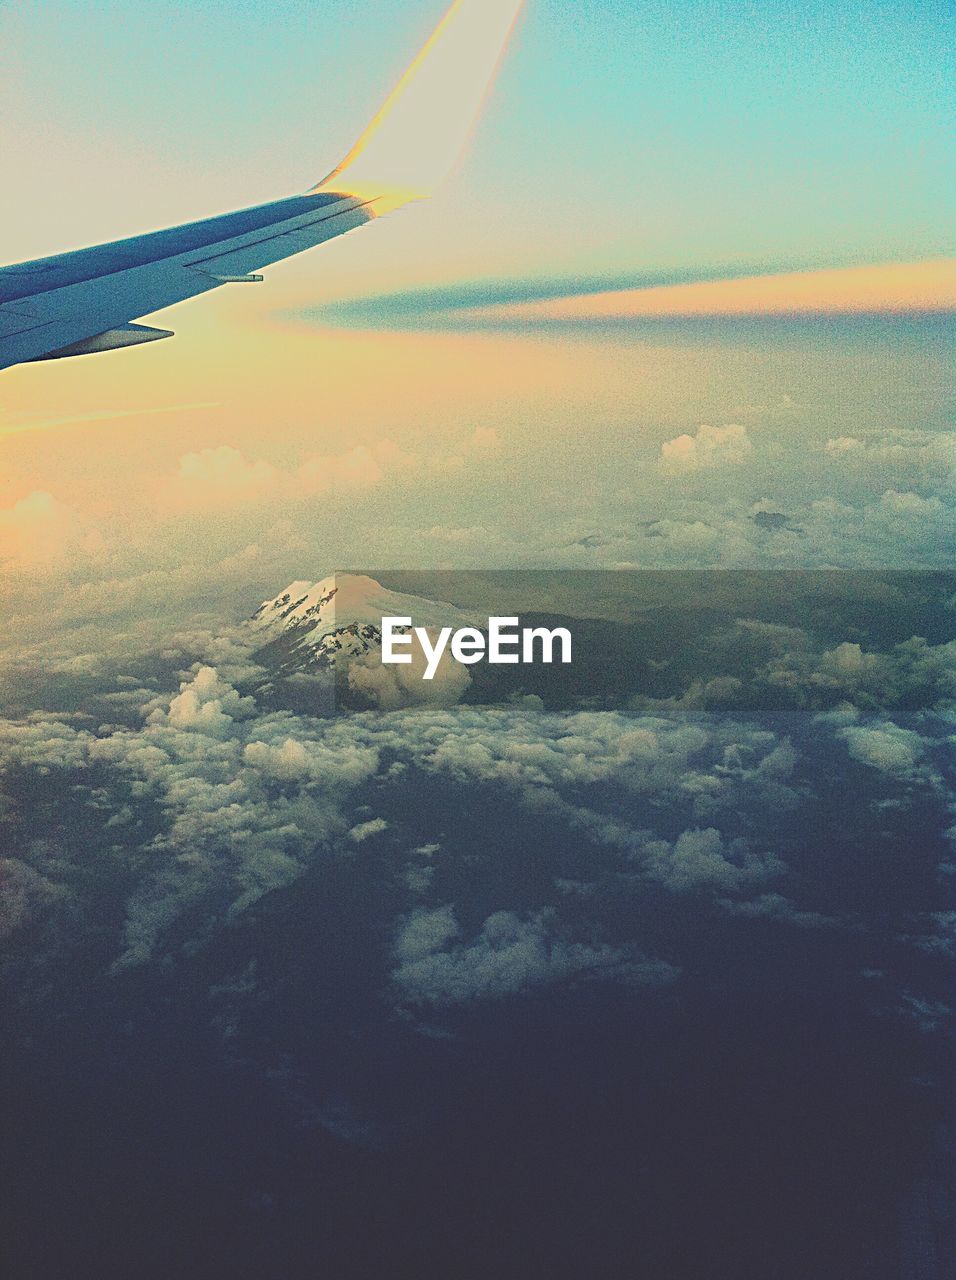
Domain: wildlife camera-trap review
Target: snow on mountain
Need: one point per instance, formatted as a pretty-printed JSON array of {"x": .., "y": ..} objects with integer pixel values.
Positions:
[{"x": 314, "y": 625}]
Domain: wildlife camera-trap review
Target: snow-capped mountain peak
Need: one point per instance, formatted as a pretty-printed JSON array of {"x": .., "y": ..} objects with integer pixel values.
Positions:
[{"x": 311, "y": 624}]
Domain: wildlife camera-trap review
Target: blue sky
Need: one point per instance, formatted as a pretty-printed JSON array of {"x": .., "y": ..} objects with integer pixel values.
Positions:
[{"x": 620, "y": 136}]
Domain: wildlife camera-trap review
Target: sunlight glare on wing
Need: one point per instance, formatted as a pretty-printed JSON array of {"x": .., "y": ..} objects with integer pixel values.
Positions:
[{"x": 418, "y": 134}]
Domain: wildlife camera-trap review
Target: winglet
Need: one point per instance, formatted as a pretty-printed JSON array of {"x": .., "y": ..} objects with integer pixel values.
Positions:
[{"x": 424, "y": 123}]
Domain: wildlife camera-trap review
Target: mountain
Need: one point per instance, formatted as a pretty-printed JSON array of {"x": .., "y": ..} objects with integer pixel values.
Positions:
[
  {"x": 319, "y": 626},
  {"x": 765, "y": 641}
]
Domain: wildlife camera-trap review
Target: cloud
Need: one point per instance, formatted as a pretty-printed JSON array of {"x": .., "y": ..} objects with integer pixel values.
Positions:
[
  {"x": 365, "y": 830},
  {"x": 791, "y": 505},
  {"x": 42, "y": 742},
  {"x": 205, "y": 802},
  {"x": 543, "y": 756},
  {"x": 755, "y": 664},
  {"x": 705, "y": 292},
  {"x": 474, "y": 304},
  {"x": 926, "y": 1014},
  {"x": 392, "y": 687},
  {"x": 911, "y": 505},
  {"x": 700, "y": 859},
  {"x": 39, "y": 531},
  {"x": 884, "y": 746},
  {"x": 843, "y": 445},
  {"x": 289, "y": 762},
  {"x": 924, "y": 460},
  {"x": 774, "y": 906},
  {"x": 508, "y": 956},
  {"x": 24, "y": 894},
  {"x": 243, "y": 799},
  {"x": 246, "y": 799},
  {"x": 697, "y": 529},
  {"x": 710, "y": 447},
  {"x": 363, "y": 467},
  {"x": 208, "y": 704},
  {"x": 425, "y": 932},
  {"x": 419, "y": 879},
  {"x": 894, "y": 287},
  {"x": 222, "y": 475}
]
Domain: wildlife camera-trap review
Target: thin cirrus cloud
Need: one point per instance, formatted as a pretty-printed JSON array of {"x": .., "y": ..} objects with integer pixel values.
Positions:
[{"x": 914, "y": 288}]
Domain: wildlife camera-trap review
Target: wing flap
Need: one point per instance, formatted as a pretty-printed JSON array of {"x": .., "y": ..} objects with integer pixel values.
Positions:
[{"x": 128, "y": 335}]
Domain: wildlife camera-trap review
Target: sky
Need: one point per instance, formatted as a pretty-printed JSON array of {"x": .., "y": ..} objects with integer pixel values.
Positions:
[
  {"x": 620, "y": 135},
  {"x": 686, "y": 303},
  {"x": 464, "y": 382}
]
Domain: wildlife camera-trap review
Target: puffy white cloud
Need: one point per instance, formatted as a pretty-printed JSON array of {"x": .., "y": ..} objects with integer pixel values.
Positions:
[
  {"x": 919, "y": 458},
  {"x": 42, "y": 742},
  {"x": 817, "y": 508},
  {"x": 425, "y": 932},
  {"x": 913, "y": 671},
  {"x": 710, "y": 447},
  {"x": 884, "y": 746},
  {"x": 208, "y": 704},
  {"x": 911, "y": 506},
  {"x": 543, "y": 755},
  {"x": 365, "y": 830},
  {"x": 700, "y": 859},
  {"x": 245, "y": 798},
  {"x": 508, "y": 956},
  {"x": 392, "y": 687},
  {"x": 289, "y": 762}
]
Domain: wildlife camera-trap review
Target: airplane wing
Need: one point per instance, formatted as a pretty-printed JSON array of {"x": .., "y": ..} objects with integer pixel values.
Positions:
[{"x": 87, "y": 301}]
